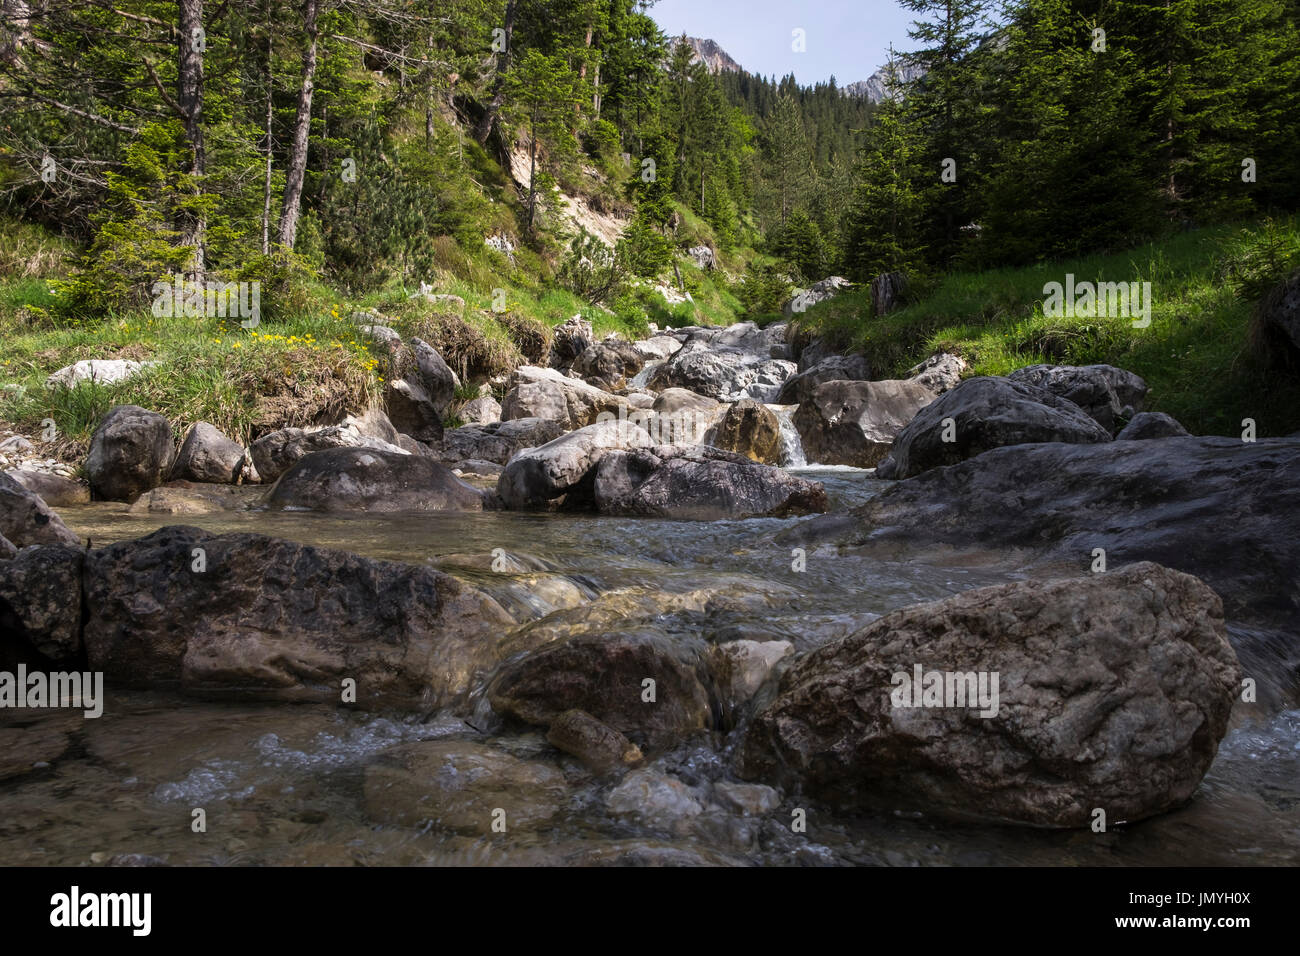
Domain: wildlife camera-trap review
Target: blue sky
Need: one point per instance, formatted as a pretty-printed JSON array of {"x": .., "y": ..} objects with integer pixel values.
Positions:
[{"x": 845, "y": 38}]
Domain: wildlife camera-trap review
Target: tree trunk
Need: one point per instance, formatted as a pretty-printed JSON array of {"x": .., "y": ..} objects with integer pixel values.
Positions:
[
  {"x": 489, "y": 121},
  {"x": 292, "y": 207},
  {"x": 189, "y": 89},
  {"x": 270, "y": 117}
]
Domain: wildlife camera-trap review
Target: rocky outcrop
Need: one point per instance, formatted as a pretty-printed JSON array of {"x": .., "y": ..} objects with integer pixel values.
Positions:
[
  {"x": 417, "y": 399},
  {"x": 208, "y": 455},
  {"x": 817, "y": 292},
  {"x": 262, "y": 618},
  {"x": 1148, "y": 425},
  {"x": 1104, "y": 392},
  {"x": 856, "y": 423},
  {"x": 751, "y": 430},
  {"x": 724, "y": 374},
  {"x": 834, "y": 368},
  {"x": 984, "y": 413},
  {"x": 480, "y": 411},
  {"x": 131, "y": 451},
  {"x": 363, "y": 479},
  {"x": 1112, "y": 693},
  {"x": 699, "y": 484},
  {"x": 538, "y": 476},
  {"x": 644, "y": 686},
  {"x": 939, "y": 373},
  {"x": 99, "y": 371},
  {"x": 546, "y": 393}
]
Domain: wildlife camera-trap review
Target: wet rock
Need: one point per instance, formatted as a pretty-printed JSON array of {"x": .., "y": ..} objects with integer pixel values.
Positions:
[
  {"x": 461, "y": 786},
  {"x": 130, "y": 452},
  {"x": 724, "y": 374},
  {"x": 1102, "y": 391},
  {"x": 25, "y": 519},
  {"x": 988, "y": 412},
  {"x": 40, "y": 600},
  {"x": 22, "y": 749},
  {"x": 939, "y": 373},
  {"x": 551, "y": 395},
  {"x": 362, "y": 479},
  {"x": 699, "y": 483},
  {"x": 604, "y": 674},
  {"x": 480, "y": 411},
  {"x": 739, "y": 668},
  {"x": 609, "y": 364},
  {"x": 55, "y": 490},
  {"x": 499, "y": 441},
  {"x": 654, "y": 799},
  {"x": 208, "y": 455},
  {"x": 276, "y": 620},
  {"x": 856, "y": 423},
  {"x": 187, "y": 498},
  {"x": 1149, "y": 425},
  {"x": 833, "y": 368},
  {"x": 752, "y": 430},
  {"x": 750, "y": 799},
  {"x": 1113, "y": 692},
  {"x": 596, "y": 744},
  {"x": 537, "y": 476},
  {"x": 571, "y": 338}
]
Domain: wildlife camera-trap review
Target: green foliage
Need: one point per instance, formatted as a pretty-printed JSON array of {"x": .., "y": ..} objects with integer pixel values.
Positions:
[
  {"x": 763, "y": 289},
  {"x": 646, "y": 251},
  {"x": 1259, "y": 259},
  {"x": 592, "y": 270},
  {"x": 800, "y": 243}
]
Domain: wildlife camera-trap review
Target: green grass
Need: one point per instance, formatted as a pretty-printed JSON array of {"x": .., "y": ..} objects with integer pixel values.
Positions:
[{"x": 1195, "y": 355}]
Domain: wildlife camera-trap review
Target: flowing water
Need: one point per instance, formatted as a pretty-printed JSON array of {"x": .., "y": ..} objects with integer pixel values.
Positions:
[{"x": 286, "y": 784}]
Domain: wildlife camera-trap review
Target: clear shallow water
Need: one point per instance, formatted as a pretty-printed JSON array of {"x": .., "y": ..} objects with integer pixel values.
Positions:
[{"x": 285, "y": 784}]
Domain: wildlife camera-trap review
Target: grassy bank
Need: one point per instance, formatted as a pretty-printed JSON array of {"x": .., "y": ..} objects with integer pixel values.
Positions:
[{"x": 1196, "y": 355}]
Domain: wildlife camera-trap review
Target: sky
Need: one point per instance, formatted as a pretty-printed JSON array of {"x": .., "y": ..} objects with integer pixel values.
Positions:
[{"x": 847, "y": 39}]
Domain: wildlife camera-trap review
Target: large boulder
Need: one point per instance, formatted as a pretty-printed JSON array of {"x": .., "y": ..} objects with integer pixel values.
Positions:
[
  {"x": 1222, "y": 509},
  {"x": 418, "y": 396},
  {"x": 40, "y": 600},
  {"x": 833, "y": 368},
  {"x": 1148, "y": 425},
  {"x": 747, "y": 337},
  {"x": 538, "y": 476},
  {"x": 26, "y": 519},
  {"x": 657, "y": 347},
  {"x": 724, "y": 374},
  {"x": 439, "y": 381},
  {"x": 939, "y": 373},
  {"x": 699, "y": 483},
  {"x": 1279, "y": 314},
  {"x": 855, "y": 423},
  {"x": 270, "y": 619},
  {"x": 571, "y": 338},
  {"x": 55, "y": 490},
  {"x": 480, "y": 411},
  {"x": 498, "y": 441},
  {"x": 605, "y": 675},
  {"x": 609, "y": 364},
  {"x": 752, "y": 430},
  {"x": 554, "y": 396},
  {"x": 208, "y": 455},
  {"x": 363, "y": 479},
  {"x": 1112, "y": 692},
  {"x": 988, "y": 412},
  {"x": 1102, "y": 391},
  {"x": 275, "y": 453},
  {"x": 131, "y": 451}
]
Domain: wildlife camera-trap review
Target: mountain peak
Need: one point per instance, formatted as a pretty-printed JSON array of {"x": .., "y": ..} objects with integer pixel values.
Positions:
[{"x": 713, "y": 56}]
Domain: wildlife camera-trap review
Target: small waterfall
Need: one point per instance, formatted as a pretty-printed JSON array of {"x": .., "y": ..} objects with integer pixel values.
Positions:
[
  {"x": 642, "y": 378},
  {"x": 791, "y": 446}
]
